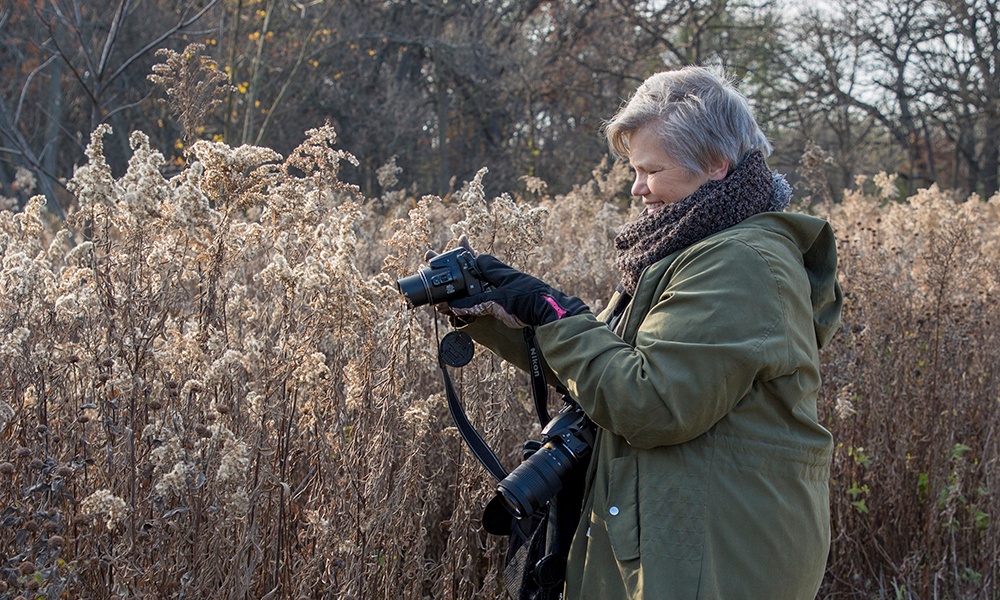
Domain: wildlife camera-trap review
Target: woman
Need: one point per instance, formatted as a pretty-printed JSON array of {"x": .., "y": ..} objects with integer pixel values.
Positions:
[{"x": 709, "y": 477}]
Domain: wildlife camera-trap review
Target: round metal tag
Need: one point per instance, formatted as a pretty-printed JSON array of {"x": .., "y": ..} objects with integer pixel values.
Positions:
[{"x": 456, "y": 349}]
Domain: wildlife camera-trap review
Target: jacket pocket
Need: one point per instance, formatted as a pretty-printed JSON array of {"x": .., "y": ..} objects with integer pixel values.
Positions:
[{"x": 621, "y": 512}]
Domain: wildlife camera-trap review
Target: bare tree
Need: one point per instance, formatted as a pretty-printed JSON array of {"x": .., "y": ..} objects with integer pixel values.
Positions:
[
  {"x": 921, "y": 72},
  {"x": 964, "y": 75},
  {"x": 87, "y": 62}
]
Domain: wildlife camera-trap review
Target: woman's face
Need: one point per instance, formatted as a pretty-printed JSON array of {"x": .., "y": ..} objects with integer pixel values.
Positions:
[{"x": 659, "y": 180}]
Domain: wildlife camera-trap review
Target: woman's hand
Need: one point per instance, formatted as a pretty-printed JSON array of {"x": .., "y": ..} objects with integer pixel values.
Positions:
[{"x": 517, "y": 299}]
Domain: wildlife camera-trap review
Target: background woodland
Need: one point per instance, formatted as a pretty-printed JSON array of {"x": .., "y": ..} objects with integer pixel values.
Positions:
[{"x": 902, "y": 86}]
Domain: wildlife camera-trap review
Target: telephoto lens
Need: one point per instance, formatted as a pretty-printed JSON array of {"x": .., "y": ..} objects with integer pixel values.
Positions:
[
  {"x": 566, "y": 442},
  {"x": 448, "y": 276}
]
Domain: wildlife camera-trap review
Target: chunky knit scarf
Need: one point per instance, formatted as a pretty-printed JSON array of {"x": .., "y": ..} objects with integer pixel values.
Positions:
[{"x": 750, "y": 189}]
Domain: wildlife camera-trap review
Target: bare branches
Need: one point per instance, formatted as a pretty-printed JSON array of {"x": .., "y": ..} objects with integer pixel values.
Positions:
[
  {"x": 73, "y": 80},
  {"x": 183, "y": 24}
]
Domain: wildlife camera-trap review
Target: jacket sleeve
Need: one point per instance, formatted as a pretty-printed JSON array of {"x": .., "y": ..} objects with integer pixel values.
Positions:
[
  {"x": 509, "y": 344},
  {"x": 718, "y": 325}
]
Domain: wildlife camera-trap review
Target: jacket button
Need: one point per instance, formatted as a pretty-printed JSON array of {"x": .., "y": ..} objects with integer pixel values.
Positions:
[{"x": 614, "y": 511}]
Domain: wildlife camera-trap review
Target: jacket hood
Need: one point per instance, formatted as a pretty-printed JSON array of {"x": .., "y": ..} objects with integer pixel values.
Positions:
[{"x": 815, "y": 240}]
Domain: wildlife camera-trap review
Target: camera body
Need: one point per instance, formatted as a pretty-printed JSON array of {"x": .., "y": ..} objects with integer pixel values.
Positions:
[
  {"x": 447, "y": 276},
  {"x": 565, "y": 443}
]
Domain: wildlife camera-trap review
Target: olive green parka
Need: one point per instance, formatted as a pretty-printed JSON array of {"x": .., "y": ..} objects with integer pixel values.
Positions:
[{"x": 709, "y": 478}]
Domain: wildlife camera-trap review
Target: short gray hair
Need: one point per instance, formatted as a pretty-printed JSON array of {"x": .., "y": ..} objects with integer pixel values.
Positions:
[{"x": 701, "y": 119}]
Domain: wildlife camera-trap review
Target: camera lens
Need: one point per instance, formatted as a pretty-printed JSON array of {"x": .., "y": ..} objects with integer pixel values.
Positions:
[
  {"x": 536, "y": 480},
  {"x": 448, "y": 276},
  {"x": 415, "y": 288}
]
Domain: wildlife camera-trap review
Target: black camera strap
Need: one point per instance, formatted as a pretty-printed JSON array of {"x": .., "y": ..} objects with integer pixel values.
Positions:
[
  {"x": 456, "y": 350},
  {"x": 539, "y": 389},
  {"x": 535, "y": 566}
]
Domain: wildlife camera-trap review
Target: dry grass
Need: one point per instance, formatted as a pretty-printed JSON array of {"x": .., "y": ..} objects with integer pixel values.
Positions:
[
  {"x": 210, "y": 387},
  {"x": 912, "y": 396}
]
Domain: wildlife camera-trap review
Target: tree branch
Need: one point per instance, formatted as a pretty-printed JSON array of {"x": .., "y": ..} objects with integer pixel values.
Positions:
[
  {"x": 109, "y": 43},
  {"x": 183, "y": 24}
]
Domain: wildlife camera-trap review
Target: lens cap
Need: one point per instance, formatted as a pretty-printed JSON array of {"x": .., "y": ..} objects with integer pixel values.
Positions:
[{"x": 456, "y": 349}]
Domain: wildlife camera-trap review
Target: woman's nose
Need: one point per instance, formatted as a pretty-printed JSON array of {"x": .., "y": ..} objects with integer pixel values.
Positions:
[{"x": 639, "y": 187}]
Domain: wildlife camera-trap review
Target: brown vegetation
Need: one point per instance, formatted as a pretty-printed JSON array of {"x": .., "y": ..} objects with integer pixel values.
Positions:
[
  {"x": 912, "y": 396},
  {"x": 210, "y": 385}
]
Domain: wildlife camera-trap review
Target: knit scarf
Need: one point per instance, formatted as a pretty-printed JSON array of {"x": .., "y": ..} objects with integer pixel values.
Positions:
[{"x": 718, "y": 204}]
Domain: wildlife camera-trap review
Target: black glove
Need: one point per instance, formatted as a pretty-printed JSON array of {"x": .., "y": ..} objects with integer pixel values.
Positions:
[{"x": 517, "y": 299}]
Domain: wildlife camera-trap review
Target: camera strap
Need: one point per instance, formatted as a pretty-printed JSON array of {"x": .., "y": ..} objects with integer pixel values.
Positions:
[
  {"x": 456, "y": 350},
  {"x": 539, "y": 388}
]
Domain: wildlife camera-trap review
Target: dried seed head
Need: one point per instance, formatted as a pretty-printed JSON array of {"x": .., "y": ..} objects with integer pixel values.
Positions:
[
  {"x": 27, "y": 567},
  {"x": 6, "y": 468},
  {"x": 154, "y": 404},
  {"x": 203, "y": 431},
  {"x": 37, "y": 464},
  {"x": 104, "y": 502},
  {"x": 65, "y": 471},
  {"x": 108, "y": 362},
  {"x": 23, "y": 452},
  {"x": 55, "y": 541}
]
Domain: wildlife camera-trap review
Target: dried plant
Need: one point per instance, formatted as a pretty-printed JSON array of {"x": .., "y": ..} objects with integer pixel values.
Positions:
[
  {"x": 194, "y": 85},
  {"x": 911, "y": 389},
  {"x": 813, "y": 166},
  {"x": 210, "y": 386}
]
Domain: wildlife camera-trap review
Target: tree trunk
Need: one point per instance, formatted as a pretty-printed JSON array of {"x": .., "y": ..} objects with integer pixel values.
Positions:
[
  {"x": 991, "y": 158},
  {"x": 53, "y": 118}
]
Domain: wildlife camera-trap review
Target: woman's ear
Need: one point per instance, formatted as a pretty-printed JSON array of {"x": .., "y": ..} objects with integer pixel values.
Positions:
[{"x": 719, "y": 171}]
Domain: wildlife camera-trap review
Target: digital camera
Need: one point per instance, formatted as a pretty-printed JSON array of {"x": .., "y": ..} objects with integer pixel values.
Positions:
[
  {"x": 566, "y": 442},
  {"x": 451, "y": 275}
]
